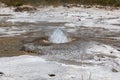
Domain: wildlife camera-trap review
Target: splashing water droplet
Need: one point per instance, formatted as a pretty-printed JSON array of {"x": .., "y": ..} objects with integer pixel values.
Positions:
[{"x": 58, "y": 36}]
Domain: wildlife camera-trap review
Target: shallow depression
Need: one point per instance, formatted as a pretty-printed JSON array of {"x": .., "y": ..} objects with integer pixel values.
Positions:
[{"x": 81, "y": 51}]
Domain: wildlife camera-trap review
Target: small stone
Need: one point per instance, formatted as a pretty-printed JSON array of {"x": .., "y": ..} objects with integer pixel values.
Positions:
[
  {"x": 114, "y": 70},
  {"x": 1, "y": 73},
  {"x": 52, "y": 75},
  {"x": 25, "y": 8}
]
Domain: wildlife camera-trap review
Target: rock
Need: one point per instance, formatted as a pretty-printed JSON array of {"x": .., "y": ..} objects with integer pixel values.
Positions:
[
  {"x": 87, "y": 6},
  {"x": 1, "y": 73},
  {"x": 76, "y": 5},
  {"x": 52, "y": 75},
  {"x": 114, "y": 70},
  {"x": 71, "y": 5},
  {"x": 2, "y": 5},
  {"x": 99, "y": 7},
  {"x": 67, "y": 5},
  {"x": 24, "y": 8}
]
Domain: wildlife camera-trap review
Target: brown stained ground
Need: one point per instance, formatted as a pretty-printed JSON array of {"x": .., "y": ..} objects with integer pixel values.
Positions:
[{"x": 11, "y": 46}]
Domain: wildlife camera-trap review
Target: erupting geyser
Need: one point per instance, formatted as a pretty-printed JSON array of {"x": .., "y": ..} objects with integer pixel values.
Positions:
[{"x": 58, "y": 36}]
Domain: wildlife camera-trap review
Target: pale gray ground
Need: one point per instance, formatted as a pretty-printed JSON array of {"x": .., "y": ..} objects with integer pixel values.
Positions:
[
  {"x": 89, "y": 56},
  {"x": 35, "y": 68}
]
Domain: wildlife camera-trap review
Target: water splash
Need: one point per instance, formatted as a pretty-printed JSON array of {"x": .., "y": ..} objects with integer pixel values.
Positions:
[{"x": 58, "y": 36}]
